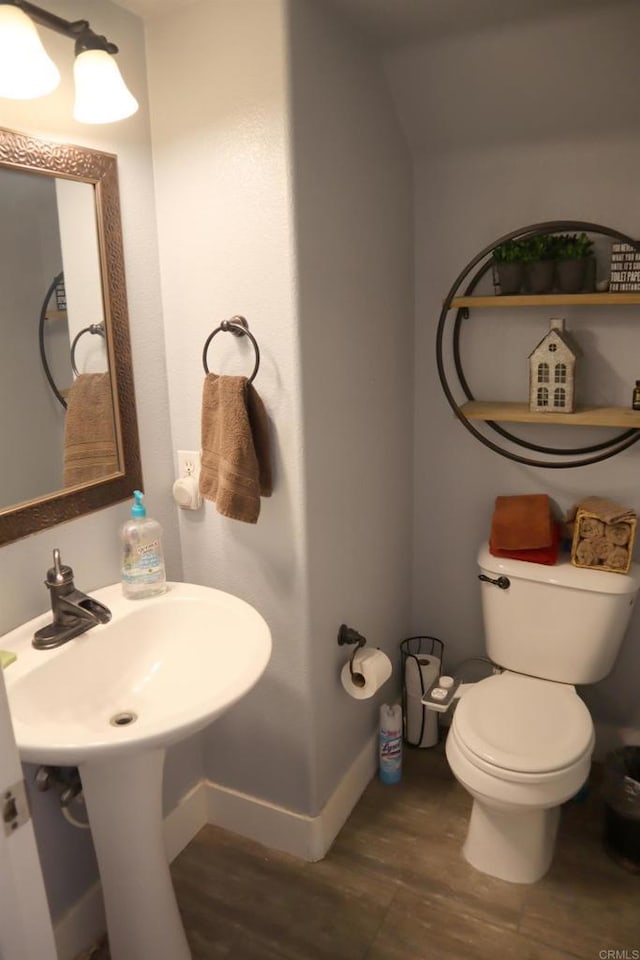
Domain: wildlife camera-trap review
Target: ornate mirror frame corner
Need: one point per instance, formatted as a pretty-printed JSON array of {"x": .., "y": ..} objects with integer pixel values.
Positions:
[{"x": 22, "y": 152}]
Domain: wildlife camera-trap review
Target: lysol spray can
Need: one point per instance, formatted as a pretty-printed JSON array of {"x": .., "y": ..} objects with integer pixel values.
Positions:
[{"x": 390, "y": 743}]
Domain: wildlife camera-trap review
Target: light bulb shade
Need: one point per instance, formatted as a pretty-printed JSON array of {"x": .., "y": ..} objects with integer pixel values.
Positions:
[
  {"x": 26, "y": 71},
  {"x": 101, "y": 93}
]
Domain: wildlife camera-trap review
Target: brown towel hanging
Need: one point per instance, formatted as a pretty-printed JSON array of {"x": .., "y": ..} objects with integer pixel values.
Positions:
[
  {"x": 90, "y": 448},
  {"x": 235, "y": 463}
]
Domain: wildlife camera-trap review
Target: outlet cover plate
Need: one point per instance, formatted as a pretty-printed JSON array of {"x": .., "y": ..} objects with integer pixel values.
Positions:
[{"x": 188, "y": 463}]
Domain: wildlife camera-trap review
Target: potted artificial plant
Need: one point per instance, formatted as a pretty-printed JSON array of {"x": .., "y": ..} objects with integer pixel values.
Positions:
[
  {"x": 574, "y": 254},
  {"x": 542, "y": 252},
  {"x": 508, "y": 263}
]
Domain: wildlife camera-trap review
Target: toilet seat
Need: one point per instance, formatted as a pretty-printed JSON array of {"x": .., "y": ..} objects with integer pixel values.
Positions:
[{"x": 523, "y": 728}]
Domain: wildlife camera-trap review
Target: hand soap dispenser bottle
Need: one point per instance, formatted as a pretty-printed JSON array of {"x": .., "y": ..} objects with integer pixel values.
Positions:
[{"x": 143, "y": 573}]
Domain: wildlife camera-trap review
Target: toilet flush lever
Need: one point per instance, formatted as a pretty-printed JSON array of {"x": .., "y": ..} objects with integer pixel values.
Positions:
[{"x": 503, "y": 582}]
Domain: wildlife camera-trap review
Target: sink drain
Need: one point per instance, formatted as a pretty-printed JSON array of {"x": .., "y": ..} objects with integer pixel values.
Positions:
[{"x": 123, "y": 719}]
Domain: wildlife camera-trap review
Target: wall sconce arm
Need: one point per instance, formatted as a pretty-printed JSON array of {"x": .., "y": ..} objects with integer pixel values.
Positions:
[{"x": 78, "y": 30}]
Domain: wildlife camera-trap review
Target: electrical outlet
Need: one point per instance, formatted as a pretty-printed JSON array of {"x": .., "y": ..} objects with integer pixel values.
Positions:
[
  {"x": 188, "y": 463},
  {"x": 185, "y": 489}
]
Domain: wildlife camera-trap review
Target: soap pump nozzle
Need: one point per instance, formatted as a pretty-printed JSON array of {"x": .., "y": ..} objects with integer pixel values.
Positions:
[{"x": 138, "y": 509}]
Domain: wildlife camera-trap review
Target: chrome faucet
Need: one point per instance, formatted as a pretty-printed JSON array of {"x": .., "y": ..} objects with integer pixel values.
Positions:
[{"x": 73, "y": 612}]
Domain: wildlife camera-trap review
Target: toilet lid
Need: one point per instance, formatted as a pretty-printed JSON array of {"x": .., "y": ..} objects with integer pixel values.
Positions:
[{"x": 524, "y": 724}]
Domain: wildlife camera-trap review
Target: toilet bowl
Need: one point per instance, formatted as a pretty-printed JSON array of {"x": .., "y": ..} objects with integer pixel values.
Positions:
[
  {"x": 521, "y": 746},
  {"x": 521, "y": 741}
]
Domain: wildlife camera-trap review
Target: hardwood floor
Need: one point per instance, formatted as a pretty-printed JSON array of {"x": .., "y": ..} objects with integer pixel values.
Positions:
[{"x": 395, "y": 887}]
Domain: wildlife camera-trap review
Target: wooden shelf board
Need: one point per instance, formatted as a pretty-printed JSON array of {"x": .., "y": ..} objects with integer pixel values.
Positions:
[
  {"x": 584, "y": 416},
  {"x": 549, "y": 300}
]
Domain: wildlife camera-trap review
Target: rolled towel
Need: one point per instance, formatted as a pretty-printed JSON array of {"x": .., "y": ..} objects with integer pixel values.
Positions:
[
  {"x": 591, "y": 528},
  {"x": 602, "y": 548},
  {"x": 618, "y": 558},
  {"x": 585, "y": 555},
  {"x": 618, "y": 533}
]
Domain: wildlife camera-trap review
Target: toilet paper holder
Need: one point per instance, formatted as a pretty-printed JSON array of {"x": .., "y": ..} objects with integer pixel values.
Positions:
[{"x": 347, "y": 635}]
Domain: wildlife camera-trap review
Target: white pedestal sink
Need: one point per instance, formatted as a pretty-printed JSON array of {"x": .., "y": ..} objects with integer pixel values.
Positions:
[{"x": 110, "y": 701}]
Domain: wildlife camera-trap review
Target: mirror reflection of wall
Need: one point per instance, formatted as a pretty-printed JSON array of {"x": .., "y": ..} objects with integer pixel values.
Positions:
[
  {"x": 31, "y": 420},
  {"x": 48, "y": 228},
  {"x": 81, "y": 259}
]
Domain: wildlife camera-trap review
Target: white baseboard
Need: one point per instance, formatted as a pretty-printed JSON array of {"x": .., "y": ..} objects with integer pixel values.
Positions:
[
  {"x": 84, "y": 923},
  {"x": 335, "y": 812},
  {"x": 609, "y": 737},
  {"x": 282, "y": 829},
  {"x": 277, "y": 827},
  {"x": 185, "y": 820}
]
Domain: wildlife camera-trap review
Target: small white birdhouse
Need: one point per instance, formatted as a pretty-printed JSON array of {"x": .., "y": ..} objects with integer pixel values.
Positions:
[{"x": 552, "y": 367}]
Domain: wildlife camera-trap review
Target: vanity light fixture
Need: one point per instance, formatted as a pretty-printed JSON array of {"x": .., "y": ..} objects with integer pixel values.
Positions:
[{"x": 26, "y": 71}]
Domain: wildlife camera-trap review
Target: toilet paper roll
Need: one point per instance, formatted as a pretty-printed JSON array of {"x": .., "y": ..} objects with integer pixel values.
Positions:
[
  {"x": 375, "y": 667},
  {"x": 421, "y": 724}
]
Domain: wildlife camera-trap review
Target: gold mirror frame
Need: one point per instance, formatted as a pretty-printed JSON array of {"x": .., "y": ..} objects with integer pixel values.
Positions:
[{"x": 29, "y": 154}]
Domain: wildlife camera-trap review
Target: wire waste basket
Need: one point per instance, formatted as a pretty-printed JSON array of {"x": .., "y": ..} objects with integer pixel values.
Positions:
[{"x": 621, "y": 790}]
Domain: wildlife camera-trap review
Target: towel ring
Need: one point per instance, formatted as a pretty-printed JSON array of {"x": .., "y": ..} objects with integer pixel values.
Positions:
[
  {"x": 239, "y": 327},
  {"x": 96, "y": 328}
]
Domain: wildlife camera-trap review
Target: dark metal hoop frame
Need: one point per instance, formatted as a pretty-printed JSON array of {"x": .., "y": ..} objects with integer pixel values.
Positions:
[
  {"x": 239, "y": 327},
  {"x": 43, "y": 353},
  {"x": 585, "y": 455}
]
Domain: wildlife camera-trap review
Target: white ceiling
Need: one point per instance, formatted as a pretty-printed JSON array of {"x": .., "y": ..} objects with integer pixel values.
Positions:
[
  {"x": 153, "y": 8},
  {"x": 395, "y": 22}
]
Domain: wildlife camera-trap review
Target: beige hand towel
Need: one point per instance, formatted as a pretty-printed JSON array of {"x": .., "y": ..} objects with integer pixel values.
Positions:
[
  {"x": 90, "y": 448},
  {"x": 605, "y": 510},
  {"x": 235, "y": 462}
]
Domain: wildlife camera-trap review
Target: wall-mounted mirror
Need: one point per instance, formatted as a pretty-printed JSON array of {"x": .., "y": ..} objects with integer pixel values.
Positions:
[{"x": 67, "y": 407}]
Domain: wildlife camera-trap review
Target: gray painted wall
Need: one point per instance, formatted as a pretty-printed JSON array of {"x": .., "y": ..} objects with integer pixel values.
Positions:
[
  {"x": 31, "y": 419},
  {"x": 321, "y": 267},
  {"x": 512, "y": 126},
  {"x": 225, "y": 220},
  {"x": 353, "y": 206}
]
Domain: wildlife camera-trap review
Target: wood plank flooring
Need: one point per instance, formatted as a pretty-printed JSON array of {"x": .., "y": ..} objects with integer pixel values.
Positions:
[{"x": 395, "y": 887}]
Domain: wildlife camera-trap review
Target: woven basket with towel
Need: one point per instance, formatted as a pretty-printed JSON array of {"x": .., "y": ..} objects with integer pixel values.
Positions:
[{"x": 603, "y": 535}]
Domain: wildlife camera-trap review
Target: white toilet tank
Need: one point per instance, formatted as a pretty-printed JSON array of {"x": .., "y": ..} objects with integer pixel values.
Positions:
[{"x": 559, "y": 622}]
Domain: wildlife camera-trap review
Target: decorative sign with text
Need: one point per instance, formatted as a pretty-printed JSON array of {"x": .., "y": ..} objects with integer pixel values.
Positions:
[{"x": 625, "y": 268}]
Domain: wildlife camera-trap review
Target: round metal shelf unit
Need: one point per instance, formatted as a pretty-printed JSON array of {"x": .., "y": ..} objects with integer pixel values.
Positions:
[
  {"x": 59, "y": 278},
  {"x": 464, "y": 285}
]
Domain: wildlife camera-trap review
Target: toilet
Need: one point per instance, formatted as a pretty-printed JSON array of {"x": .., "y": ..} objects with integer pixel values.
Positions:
[{"x": 521, "y": 740}]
